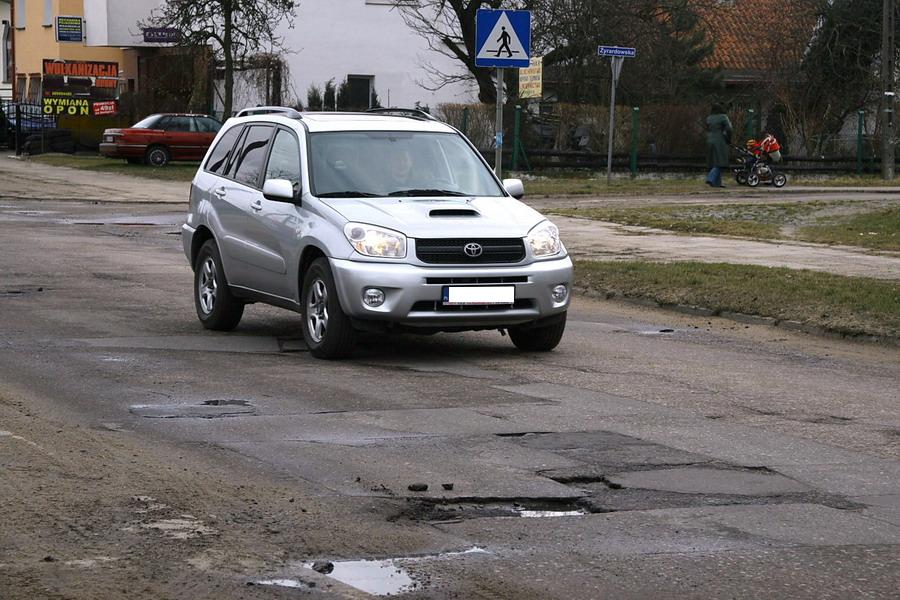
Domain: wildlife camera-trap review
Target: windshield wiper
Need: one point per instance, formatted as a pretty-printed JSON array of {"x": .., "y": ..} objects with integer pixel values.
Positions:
[
  {"x": 427, "y": 192},
  {"x": 348, "y": 194}
]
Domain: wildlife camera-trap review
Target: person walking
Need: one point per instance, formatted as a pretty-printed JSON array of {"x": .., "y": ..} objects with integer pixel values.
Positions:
[{"x": 718, "y": 137}]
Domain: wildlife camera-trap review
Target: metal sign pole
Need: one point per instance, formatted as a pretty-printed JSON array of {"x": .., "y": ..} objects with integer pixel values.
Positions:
[
  {"x": 616, "y": 65},
  {"x": 498, "y": 137}
]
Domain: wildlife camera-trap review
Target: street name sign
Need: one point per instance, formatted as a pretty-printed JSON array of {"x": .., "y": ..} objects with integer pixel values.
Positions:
[
  {"x": 502, "y": 38},
  {"x": 616, "y": 51}
]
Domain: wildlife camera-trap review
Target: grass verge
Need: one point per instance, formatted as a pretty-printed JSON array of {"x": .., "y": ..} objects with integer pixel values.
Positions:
[
  {"x": 181, "y": 171},
  {"x": 846, "y": 305},
  {"x": 592, "y": 184},
  {"x": 867, "y": 225},
  {"x": 879, "y": 230}
]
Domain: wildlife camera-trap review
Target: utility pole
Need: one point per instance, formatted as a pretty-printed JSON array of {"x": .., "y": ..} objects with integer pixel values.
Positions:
[{"x": 887, "y": 84}]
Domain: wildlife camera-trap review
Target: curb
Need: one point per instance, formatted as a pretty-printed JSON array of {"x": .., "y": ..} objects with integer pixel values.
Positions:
[{"x": 747, "y": 319}]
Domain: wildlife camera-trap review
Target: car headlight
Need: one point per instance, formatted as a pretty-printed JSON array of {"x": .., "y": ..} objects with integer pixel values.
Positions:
[
  {"x": 544, "y": 239},
  {"x": 370, "y": 240}
]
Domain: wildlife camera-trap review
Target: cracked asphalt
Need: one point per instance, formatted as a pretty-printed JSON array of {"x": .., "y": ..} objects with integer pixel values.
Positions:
[{"x": 653, "y": 455}]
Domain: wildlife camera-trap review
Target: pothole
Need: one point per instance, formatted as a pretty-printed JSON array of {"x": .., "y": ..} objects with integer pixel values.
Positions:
[
  {"x": 207, "y": 409},
  {"x": 707, "y": 480},
  {"x": 379, "y": 577},
  {"x": 438, "y": 513}
]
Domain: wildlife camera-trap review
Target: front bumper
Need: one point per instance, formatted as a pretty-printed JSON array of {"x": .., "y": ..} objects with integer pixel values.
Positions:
[{"x": 413, "y": 293}]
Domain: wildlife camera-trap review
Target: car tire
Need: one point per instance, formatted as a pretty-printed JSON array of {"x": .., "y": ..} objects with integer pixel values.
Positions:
[
  {"x": 327, "y": 330},
  {"x": 753, "y": 180},
  {"x": 157, "y": 156},
  {"x": 779, "y": 180},
  {"x": 217, "y": 308},
  {"x": 539, "y": 338}
]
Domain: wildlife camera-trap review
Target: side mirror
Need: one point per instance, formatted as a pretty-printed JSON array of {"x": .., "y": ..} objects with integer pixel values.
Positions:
[
  {"x": 280, "y": 190},
  {"x": 515, "y": 188}
]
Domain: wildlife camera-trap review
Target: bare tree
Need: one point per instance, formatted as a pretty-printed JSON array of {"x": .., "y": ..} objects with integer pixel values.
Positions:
[
  {"x": 236, "y": 29},
  {"x": 448, "y": 26}
]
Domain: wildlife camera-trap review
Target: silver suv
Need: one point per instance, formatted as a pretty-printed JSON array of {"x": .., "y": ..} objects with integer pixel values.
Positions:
[{"x": 379, "y": 221}]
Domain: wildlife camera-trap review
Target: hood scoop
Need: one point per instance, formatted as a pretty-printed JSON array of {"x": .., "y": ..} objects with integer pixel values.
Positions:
[{"x": 454, "y": 212}]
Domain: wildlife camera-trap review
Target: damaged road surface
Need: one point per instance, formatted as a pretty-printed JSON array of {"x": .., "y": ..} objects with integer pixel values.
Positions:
[{"x": 143, "y": 457}]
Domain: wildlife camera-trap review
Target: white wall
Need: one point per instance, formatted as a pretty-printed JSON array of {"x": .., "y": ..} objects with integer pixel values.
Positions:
[
  {"x": 330, "y": 39},
  {"x": 5, "y": 88},
  {"x": 115, "y": 22},
  {"x": 336, "y": 38}
]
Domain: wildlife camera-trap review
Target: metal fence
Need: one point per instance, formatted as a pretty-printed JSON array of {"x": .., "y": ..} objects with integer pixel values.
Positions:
[
  {"x": 26, "y": 129},
  {"x": 647, "y": 139}
]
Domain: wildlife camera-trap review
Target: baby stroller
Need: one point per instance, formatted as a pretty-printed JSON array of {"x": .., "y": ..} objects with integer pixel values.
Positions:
[{"x": 756, "y": 157}]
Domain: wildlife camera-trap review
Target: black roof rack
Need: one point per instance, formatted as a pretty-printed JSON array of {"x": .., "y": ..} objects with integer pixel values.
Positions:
[
  {"x": 269, "y": 110},
  {"x": 413, "y": 113}
]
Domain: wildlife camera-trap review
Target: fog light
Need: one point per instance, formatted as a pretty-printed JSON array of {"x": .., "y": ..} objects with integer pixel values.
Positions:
[
  {"x": 559, "y": 293},
  {"x": 373, "y": 297}
]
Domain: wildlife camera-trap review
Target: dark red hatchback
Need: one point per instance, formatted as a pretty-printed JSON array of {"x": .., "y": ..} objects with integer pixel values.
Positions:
[{"x": 160, "y": 138}]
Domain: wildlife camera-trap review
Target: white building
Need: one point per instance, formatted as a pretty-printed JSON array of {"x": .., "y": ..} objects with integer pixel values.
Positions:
[
  {"x": 6, "y": 64},
  {"x": 365, "y": 42}
]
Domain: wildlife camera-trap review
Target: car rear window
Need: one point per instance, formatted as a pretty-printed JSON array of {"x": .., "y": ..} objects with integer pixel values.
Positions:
[
  {"x": 218, "y": 158},
  {"x": 147, "y": 122}
]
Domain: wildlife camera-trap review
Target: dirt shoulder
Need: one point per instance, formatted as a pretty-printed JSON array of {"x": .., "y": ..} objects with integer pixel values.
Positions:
[{"x": 102, "y": 512}]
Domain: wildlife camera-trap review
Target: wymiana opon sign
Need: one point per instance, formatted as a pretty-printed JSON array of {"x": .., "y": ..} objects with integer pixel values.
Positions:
[{"x": 80, "y": 88}]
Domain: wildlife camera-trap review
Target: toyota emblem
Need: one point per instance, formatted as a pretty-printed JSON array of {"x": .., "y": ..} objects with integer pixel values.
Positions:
[{"x": 472, "y": 249}]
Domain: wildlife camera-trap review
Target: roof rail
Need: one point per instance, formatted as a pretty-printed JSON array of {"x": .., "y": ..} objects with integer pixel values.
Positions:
[
  {"x": 268, "y": 110},
  {"x": 414, "y": 113}
]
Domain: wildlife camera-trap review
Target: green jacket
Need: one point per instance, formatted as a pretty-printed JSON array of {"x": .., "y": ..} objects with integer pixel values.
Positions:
[{"x": 718, "y": 137}]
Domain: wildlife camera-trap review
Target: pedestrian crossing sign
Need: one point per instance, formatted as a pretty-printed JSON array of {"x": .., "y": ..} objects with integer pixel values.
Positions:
[{"x": 503, "y": 38}]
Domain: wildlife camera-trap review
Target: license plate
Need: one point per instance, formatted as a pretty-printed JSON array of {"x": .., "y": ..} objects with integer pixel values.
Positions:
[{"x": 457, "y": 295}]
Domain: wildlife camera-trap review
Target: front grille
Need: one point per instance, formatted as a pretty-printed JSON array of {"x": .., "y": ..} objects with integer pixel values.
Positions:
[
  {"x": 450, "y": 251},
  {"x": 437, "y": 306},
  {"x": 475, "y": 280}
]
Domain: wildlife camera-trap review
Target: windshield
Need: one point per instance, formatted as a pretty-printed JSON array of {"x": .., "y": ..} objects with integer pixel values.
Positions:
[
  {"x": 350, "y": 164},
  {"x": 146, "y": 123}
]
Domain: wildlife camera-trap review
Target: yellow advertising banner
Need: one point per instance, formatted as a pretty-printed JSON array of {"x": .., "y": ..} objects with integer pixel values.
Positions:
[{"x": 531, "y": 79}]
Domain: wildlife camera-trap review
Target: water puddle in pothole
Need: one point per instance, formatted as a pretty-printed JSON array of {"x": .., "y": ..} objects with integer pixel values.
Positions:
[
  {"x": 378, "y": 577},
  {"x": 541, "y": 514},
  {"x": 288, "y": 583},
  {"x": 384, "y": 577}
]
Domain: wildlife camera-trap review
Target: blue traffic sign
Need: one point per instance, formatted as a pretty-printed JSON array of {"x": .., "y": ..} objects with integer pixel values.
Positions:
[
  {"x": 502, "y": 38},
  {"x": 616, "y": 51}
]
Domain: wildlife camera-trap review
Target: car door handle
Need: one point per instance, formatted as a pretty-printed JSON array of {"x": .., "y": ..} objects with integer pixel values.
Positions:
[
  {"x": 220, "y": 193},
  {"x": 256, "y": 205}
]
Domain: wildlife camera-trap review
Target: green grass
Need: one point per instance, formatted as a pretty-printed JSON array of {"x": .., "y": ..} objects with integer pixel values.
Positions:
[
  {"x": 867, "y": 225},
  {"x": 178, "y": 171},
  {"x": 879, "y": 230},
  {"x": 843, "y": 181},
  {"x": 593, "y": 184},
  {"x": 849, "y": 305},
  {"x": 747, "y": 220}
]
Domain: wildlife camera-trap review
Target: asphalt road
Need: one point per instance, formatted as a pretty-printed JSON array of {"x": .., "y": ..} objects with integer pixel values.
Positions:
[{"x": 652, "y": 455}]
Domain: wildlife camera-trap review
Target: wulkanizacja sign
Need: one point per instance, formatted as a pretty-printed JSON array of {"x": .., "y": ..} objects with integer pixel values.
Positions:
[{"x": 80, "y": 88}]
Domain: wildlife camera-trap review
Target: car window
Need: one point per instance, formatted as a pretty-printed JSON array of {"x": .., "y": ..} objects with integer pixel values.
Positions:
[
  {"x": 179, "y": 124},
  {"x": 249, "y": 162},
  {"x": 218, "y": 158},
  {"x": 207, "y": 125},
  {"x": 284, "y": 160},
  {"x": 163, "y": 123},
  {"x": 147, "y": 122},
  {"x": 397, "y": 163}
]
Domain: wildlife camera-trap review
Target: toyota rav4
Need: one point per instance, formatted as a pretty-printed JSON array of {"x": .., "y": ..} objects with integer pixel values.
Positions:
[{"x": 380, "y": 221}]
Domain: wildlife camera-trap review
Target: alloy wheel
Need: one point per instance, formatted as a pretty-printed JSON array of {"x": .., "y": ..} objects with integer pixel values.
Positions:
[{"x": 317, "y": 311}]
